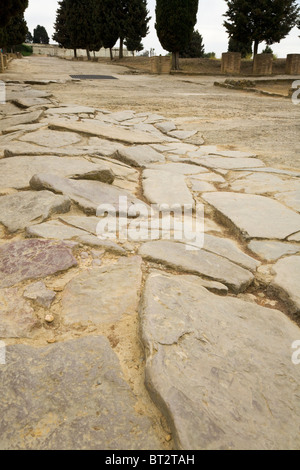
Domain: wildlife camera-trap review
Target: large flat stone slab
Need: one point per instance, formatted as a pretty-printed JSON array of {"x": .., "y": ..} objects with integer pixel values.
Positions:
[
  {"x": 17, "y": 172},
  {"x": 89, "y": 195},
  {"x": 290, "y": 199},
  {"x": 73, "y": 396},
  {"x": 33, "y": 259},
  {"x": 180, "y": 168},
  {"x": 74, "y": 109},
  {"x": 17, "y": 318},
  {"x": 98, "y": 129},
  {"x": 162, "y": 187},
  {"x": 263, "y": 183},
  {"x": 219, "y": 368},
  {"x": 272, "y": 250},
  {"x": 254, "y": 216},
  {"x": 200, "y": 262},
  {"x": 47, "y": 138},
  {"x": 139, "y": 156},
  {"x": 103, "y": 295},
  {"x": 226, "y": 163},
  {"x": 287, "y": 281},
  {"x": 23, "y": 118},
  {"x": 19, "y": 210}
]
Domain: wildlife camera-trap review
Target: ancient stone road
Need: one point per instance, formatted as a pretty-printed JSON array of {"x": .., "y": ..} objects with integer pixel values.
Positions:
[{"x": 142, "y": 343}]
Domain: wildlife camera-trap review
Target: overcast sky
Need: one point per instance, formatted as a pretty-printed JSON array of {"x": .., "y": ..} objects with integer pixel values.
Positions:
[{"x": 210, "y": 25}]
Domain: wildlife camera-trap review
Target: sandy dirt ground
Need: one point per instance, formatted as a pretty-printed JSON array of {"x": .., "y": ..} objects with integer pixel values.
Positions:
[{"x": 268, "y": 126}]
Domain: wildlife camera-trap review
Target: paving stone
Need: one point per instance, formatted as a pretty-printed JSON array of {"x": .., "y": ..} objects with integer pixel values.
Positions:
[
  {"x": 139, "y": 156},
  {"x": 19, "y": 210},
  {"x": 211, "y": 177},
  {"x": 54, "y": 230},
  {"x": 17, "y": 172},
  {"x": 290, "y": 198},
  {"x": 89, "y": 195},
  {"x": 180, "y": 148},
  {"x": 228, "y": 163},
  {"x": 32, "y": 259},
  {"x": 103, "y": 295},
  {"x": 210, "y": 368},
  {"x": 272, "y": 250},
  {"x": 46, "y": 138},
  {"x": 40, "y": 294},
  {"x": 182, "y": 135},
  {"x": 23, "y": 118},
  {"x": 201, "y": 186},
  {"x": 162, "y": 187},
  {"x": 121, "y": 116},
  {"x": 180, "y": 168},
  {"x": 286, "y": 281},
  {"x": 232, "y": 154},
  {"x": 28, "y": 102},
  {"x": 254, "y": 216},
  {"x": 70, "y": 110},
  {"x": 92, "y": 240},
  {"x": 295, "y": 237},
  {"x": 263, "y": 183},
  {"x": 114, "y": 133},
  {"x": 200, "y": 262},
  {"x": 73, "y": 396},
  {"x": 166, "y": 126},
  {"x": 17, "y": 318},
  {"x": 230, "y": 250},
  {"x": 24, "y": 128},
  {"x": 102, "y": 147}
]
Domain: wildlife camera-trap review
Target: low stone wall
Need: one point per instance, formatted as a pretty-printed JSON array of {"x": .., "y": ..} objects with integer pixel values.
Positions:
[
  {"x": 56, "y": 51},
  {"x": 161, "y": 65},
  {"x": 263, "y": 64},
  {"x": 292, "y": 64},
  {"x": 231, "y": 63}
]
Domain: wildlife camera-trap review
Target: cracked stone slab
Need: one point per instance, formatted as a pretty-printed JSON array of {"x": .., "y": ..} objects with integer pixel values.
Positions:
[
  {"x": 199, "y": 262},
  {"x": 19, "y": 210},
  {"x": 182, "y": 135},
  {"x": 54, "y": 230},
  {"x": 211, "y": 177},
  {"x": 24, "y": 118},
  {"x": 213, "y": 369},
  {"x": 17, "y": 172},
  {"x": 226, "y": 163},
  {"x": 28, "y": 102},
  {"x": 201, "y": 186},
  {"x": 287, "y": 280},
  {"x": 103, "y": 295},
  {"x": 73, "y": 396},
  {"x": 46, "y": 138},
  {"x": 230, "y": 250},
  {"x": 89, "y": 195},
  {"x": 232, "y": 154},
  {"x": 272, "y": 250},
  {"x": 166, "y": 126},
  {"x": 295, "y": 237},
  {"x": 254, "y": 216},
  {"x": 139, "y": 156},
  {"x": 290, "y": 198},
  {"x": 162, "y": 187},
  {"x": 261, "y": 183},
  {"x": 33, "y": 259},
  {"x": 93, "y": 128},
  {"x": 17, "y": 318}
]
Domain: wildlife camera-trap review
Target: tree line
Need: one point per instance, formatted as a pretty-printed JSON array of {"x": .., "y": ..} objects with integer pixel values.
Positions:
[{"x": 92, "y": 24}]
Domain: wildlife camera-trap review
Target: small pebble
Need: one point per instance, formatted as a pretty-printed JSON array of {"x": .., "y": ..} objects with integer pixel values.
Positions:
[
  {"x": 97, "y": 262},
  {"x": 168, "y": 438},
  {"x": 84, "y": 255},
  {"x": 49, "y": 318}
]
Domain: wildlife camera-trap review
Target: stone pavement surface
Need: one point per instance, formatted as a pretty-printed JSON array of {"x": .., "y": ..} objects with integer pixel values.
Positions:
[{"x": 116, "y": 342}]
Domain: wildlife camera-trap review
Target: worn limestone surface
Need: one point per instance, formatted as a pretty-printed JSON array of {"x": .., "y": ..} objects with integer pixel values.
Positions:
[
  {"x": 154, "y": 344},
  {"x": 73, "y": 397},
  {"x": 210, "y": 367}
]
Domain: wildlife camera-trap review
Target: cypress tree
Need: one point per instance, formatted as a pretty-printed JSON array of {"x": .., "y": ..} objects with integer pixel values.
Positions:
[
  {"x": 61, "y": 35},
  {"x": 256, "y": 21},
  {"x": 106, "y": 23},
  {"x": 11, "y": 8},
  {"x": 137, "y": 24},
  {"x": 14, "y": 33},
  {"x": 195, "y": 48},
  {"x": 175, "y": 21},
  {"x": 40, "y": 35}
]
